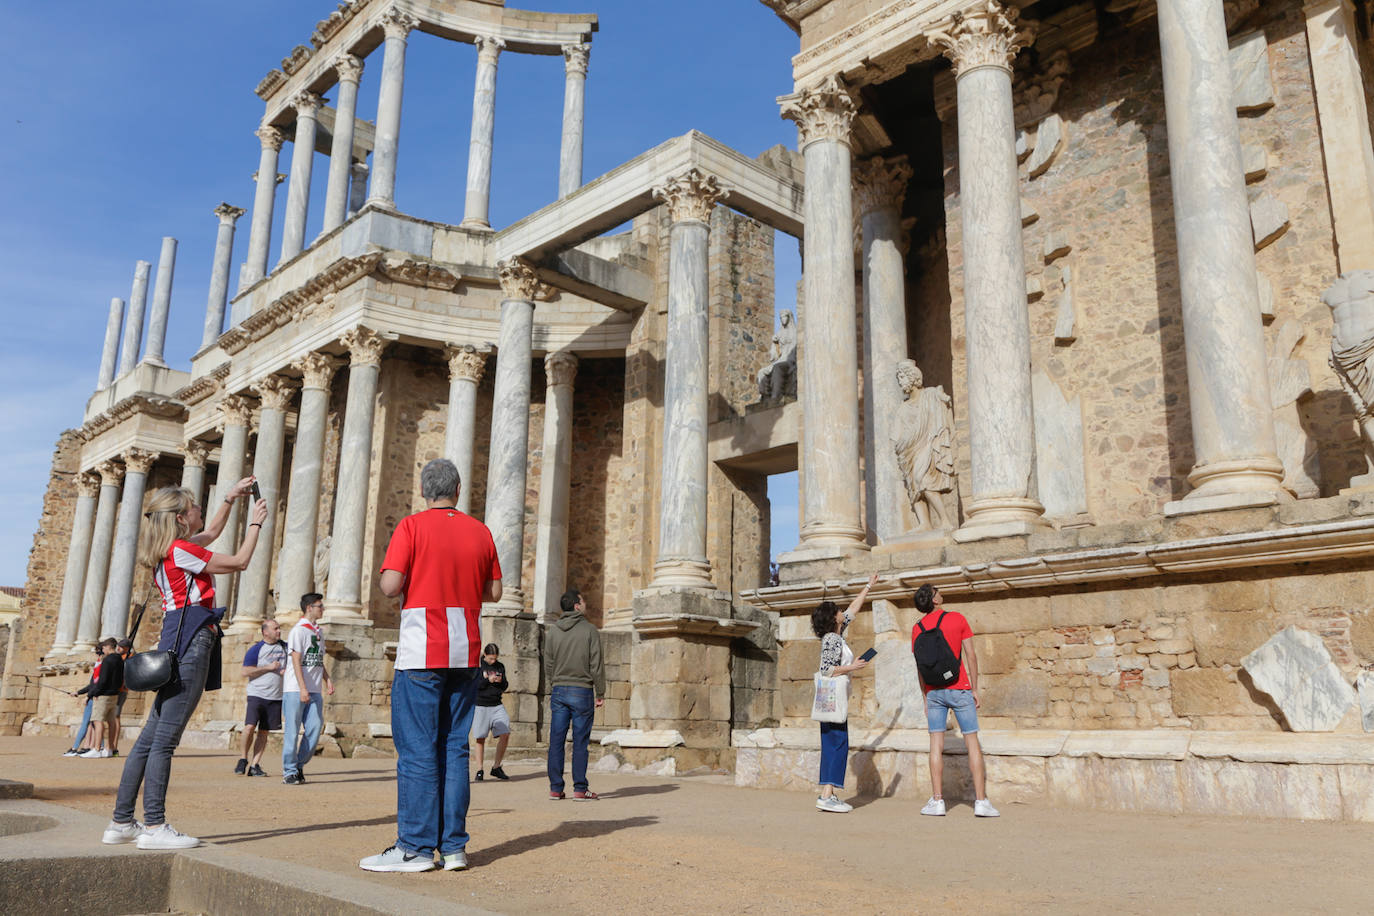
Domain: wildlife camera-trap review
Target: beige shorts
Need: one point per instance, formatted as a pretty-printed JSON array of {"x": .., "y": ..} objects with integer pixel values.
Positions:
[{"x": 103, "y": 709}]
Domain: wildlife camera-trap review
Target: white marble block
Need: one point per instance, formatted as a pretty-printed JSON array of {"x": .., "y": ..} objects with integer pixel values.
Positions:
[
  {"x": 1059, "y": 469},
  {"x": 1295, "y": 669},
  {"x": 1269, "y": 220},
  {"x": 1253, "y": 88},
  {"x": 1365, "y": 684},
  {"x": 1256, "y": 161},
  {"x": 1050, "y": 139},
  {"x": 1066, "y": 318}
]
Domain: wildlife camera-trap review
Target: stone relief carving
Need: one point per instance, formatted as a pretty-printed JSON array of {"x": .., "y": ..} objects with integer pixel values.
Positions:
[
  {"x": 924, "y": 442},
  {"x": 321, "y": 562},
  {"x": 778, "y": 379},
  {"x": 1351, "y": 300}
]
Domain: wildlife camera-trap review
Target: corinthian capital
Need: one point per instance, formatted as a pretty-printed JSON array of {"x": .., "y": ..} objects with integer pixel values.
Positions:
[
  {"x": 989, "y": 36},
  {"x": 560, "y": 368},
  {"x": 348, "y": 68},
  {"x": 228, "y": 215},
  {"x": 575, "y": 58},
  {"x": 236, "y": 410},
  {"x": 881, "y": 182},
  {"x": 111, "y": 473},
  {"x": 488, "y": 48},
  {"x": 195, "y": 453},
  {"x": 270, "y": 136},
  {"x": 518, "y": 280},
  {"x": 364, "y": 345},
  {"x": 138, "y": 460},
  {"x": 467, "y": 362},
  {"x": 822, "y": 112},
  {"x": 397, "y": 23},
  {"x": 275, "y": 392},
  {"x": 88, "y": 484},
  {"x": 691, "y": 196},
  {"x": 318, "y": 369},
  {"x": 307, "y": 104}
]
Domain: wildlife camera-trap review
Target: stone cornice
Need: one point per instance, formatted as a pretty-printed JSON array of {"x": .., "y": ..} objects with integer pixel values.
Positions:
[
  {"x": 270, "y": 83},
  {"x": 281, "y": 311},
  {"x": 467, "y": 362},
  {"x": 987, "y": 36},
  {"x": 296, "y": 59},
  {"x": 417, "y": 272},
  {"x": 823, "y": 112},
  {"x": 204, "y": 386},
  {"x": 519, "y": 281},
  {"x": 228, "y": 215},
  {"x": 691, "y": 196},
  {"x": 154, "y": 406},
  {"x": 138, "y": 460},
  {"x": 881, "y": 182},
  {"x": 275, "y": 392},
  {"x": 560, "y": 368},
  {"x": 330, "y": 26}
]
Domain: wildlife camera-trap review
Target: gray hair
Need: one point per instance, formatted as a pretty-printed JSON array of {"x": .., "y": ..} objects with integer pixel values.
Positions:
[{"x": 439, "y": 480}]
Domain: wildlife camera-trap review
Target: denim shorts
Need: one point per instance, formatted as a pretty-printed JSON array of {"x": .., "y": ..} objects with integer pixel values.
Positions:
[{"x": 938, "y": 706}]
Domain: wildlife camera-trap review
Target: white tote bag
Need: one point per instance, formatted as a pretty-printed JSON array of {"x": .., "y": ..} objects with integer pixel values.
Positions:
[{"x": 832, "y": 699}]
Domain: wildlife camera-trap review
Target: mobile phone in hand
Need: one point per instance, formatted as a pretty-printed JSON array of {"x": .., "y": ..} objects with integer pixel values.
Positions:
[
  {"x": 869, "y": 655},
  {"x": 257, "y": 493}
]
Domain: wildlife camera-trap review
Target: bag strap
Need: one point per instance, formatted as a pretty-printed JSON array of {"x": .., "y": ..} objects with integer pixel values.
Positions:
[
  {"x": 138, "y": 617},
  {"x": 920, "y": 623}
]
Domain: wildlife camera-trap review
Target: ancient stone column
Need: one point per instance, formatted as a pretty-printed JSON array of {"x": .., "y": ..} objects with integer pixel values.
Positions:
[
  {"x": 162, "y": 303},
  {"x": 237, "y": 413},
  {"x": 465, "y": 366},
  {"x": 307, "y": 105},
  {"x": 350, "y": 71},
  {"x": 98, "y": 568},
  {"x": 264, "y": 199},
  {"x": 1228, "y": 383},
  {"x": 114, "y": 616},
  {"x": 396, "y": 24},
  {"x": 477, "y": 205},
  {"x": 574, "y": 99},
  {"x": 138, "y": 305},
  {"x": 357, "y": 187},
  {"x": 296, "y": 564},
  {"x": 344, "y": 598},
  {"x": 508, "y": 457},
  {"x": 194, "y": 454},
  {"x": 880, "y": 185},
  {"x": 78, "y": 556},
  {"x": 107, "y": 353},
  {"x": 219, "y": 274},
  {"x": 555, "y": 478},
  {"x": 276, "y": 393},
  {"x": 827, "y": 370}
]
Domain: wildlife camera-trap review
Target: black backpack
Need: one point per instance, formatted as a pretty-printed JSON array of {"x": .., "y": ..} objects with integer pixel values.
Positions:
[{"x": 936, "y": 663}]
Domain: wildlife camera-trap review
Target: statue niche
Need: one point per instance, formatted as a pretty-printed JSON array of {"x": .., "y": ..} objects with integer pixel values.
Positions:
[
  {"x": 1351, "y": 300},
  {"x": 778, "y": 379},
  {"x": 924, "y": 442}
]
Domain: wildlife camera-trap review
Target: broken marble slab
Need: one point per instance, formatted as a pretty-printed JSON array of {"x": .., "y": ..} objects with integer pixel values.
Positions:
[
  {"x": 1252, "y": 87},
  {"x": 1295, "y": 668},
  {"x": 1364, "y": 684},
  {"x": 1050, "y": 139},
  {"x": 1268, "y": 219}
]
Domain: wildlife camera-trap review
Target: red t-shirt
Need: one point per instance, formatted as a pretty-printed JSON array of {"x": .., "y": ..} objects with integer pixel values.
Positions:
[
  {"x": 181, "y": 577},
  {"x": 956, "y": 630},
  {"x": 447, "y": 558}
]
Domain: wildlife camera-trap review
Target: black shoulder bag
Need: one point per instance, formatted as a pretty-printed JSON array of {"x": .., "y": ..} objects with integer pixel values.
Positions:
[{"x": 155, "y": 669}]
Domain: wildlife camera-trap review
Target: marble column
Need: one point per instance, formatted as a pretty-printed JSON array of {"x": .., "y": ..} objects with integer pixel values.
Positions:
[
  {"x": 307, "y": 105},
  {"x": 138, "y": 305},
  {"x": 685, "y": 467},
  {"x": 574, "y": 104},
  {"x": 276, "y": 393},
  {"x": 119, "y": 586},
  {"x": 880, "y": 186},
  {"x": 296, "y": 563},
  {"x": 106, "y": 374},
  {"x": 236, "y": 413},
  {"x": 828, "y": 361},
  {"x": 555, "y": 479},
  {"x": 477, "y": 205},
  {"x": 508, "y": 456},
  {"x": 194, "y": 455},
  {"x": 162, "y": 303},
  {"x": 357, "y": 187},
  {"x": 98, "y": 568},
  {"x": 264, "y": 199},
  {"x": 396, "y": 24},
  {"x": 466, "y": 364},
  {"x": 343, "y": 601},
  {"x": 1234, "y": 447},
  {"x": 219, "y": 274},
  {"x": 78, "y": 556},
  {"x": 350, "y": 71}
]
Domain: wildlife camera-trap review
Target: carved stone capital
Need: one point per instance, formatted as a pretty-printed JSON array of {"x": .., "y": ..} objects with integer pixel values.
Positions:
[
  {"x": 348, "y": 68},
  {"x": 111, "y": 473},
  {"x": 364, "y": 345},
  {"x": 236, "y": 410},
  {"x": 88, "y": 485},
  {"x": 195, "y": 453},
  {"x": 318, "y": 369},
  {"x": 881, "y": 182},
  {"x": 575, "y": 58},
  {"x": 397, "y": 23},
  {"x": 275, "y": 392},
  {"x": 228, "y": 215},
  {"x": 822, "y": 112},
  {"x": 560, "y": 368},
  {"x": 518, "y": 280},
  {"x": 691, "y": 196},
  {"x": 139, "y": 460},
  {"x": 270, "y": 136},
  {"x": 467, "y": 362},
  {"x": 307, "y": 104},
  {"x": 988, "y": 36},
  {"x": 489, "y": 48}
]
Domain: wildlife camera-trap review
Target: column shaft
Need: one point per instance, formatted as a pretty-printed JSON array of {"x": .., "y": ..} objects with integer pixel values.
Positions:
[
  {"x": 555, "y": 477},
  {"x": 102, "y": 538},
  {"x": 350, "y": 71},
  {"x": 574, "y": 105},
  {"x": 219, "y": 274},
  {"x": 296, "y": 564},
  {"x": 114, "y": 616},
  {"x": 138, "y": 305},
  {"x": 307, "y": 106},
  {"x": 267, "y": 457},
  {"x": 78, "y": 556},
  {"x": 357, "y": 187},
  {"x": 106, "y": 374},
  {"x": 397, "y": 25},
  {"x": 476, "y": 208},
  {"x": 264, "y": 199},
  {"x": 193, "y": 479},
  {"x": 233, "y": 455},
  {"x": 466, "y": 365},
  {"x": 162, "y": 303}
]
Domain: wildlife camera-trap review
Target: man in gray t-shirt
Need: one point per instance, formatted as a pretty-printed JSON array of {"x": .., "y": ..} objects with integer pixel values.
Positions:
[{"x": 263, "y": 665}]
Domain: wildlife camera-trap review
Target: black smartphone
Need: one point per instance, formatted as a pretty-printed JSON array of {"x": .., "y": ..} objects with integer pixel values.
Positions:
[
  {"x": 869, "y": 655},
  {"x": 257, "y": 494}
]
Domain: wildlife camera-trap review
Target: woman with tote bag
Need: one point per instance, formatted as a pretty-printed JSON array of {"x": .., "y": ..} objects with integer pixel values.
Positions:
[{"x": 832, "y": 689}]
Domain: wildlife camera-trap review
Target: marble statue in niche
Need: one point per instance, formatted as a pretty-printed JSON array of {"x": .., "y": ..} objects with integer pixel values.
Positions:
[
  {"x": 924, "y": 442},
  {"x": 1351, "y": 300},
  {"x": 778, "y": 379}
]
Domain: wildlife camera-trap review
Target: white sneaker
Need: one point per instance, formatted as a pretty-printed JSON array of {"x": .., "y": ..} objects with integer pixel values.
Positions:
[
  {"x": 122, "y": 833},
  {"x": 104, "y": 752},
  {"x": 165, "y": 836},
  {"x": 935, "y": 807},
  {"x": 833, "y": 805},
  {"x": 90, "y": 753},
  {"x": 983, "y": 808}
]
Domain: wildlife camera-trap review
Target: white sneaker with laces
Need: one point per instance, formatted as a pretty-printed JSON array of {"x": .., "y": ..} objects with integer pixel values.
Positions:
[
  {"x": 104, "y": 752},
  {"x": 393, "y": 858},
  {"x": 834, "y": 805},
  {"x": 90, "y": 753},
  {"x": 165, "y": 836},
  {"x": 983, "y": 808},
  {"x": 935, "y": 807},
  {"x": 122, "y": 833}
]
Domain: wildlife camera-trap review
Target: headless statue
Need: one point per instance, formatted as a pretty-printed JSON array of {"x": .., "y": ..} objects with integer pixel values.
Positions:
[
  {"x": 924, "y": 442},
  {"x": 1351, "y": 300},
  {"x": 779, "y": 378}
]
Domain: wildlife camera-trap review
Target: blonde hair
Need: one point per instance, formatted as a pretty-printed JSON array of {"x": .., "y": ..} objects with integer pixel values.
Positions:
[{"x": 162, "y": 523}]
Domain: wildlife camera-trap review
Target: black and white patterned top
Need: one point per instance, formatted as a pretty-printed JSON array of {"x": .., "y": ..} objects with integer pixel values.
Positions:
[{"x": 833, "y": 647}]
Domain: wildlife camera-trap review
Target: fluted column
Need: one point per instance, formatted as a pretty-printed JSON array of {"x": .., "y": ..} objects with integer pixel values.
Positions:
[
  {"x": 236, "y": 413},
  {"x": 98, "y": 568},
  {"x": 357, "y": 187},
  {"x": 684, "y": 470},
  {"x": 880, "y": 186},
  {"x": 508, "y": 456},
  {"x": 114, "y": 615},
  {"x": 162, "y": 303},
  {"x": 194, "y": 454},
  {"x": 307, "y": 105},
  {"x": 264, "y": 199},
  {"x": 78, "y": 556},
  {"x": 555, "y": 478},
  {"x": 350, "y": 71},
  {"x": 828, "y": 356},
  {"x": 219, "y": 273},
  {"x": 296, "y": 564},
  {"x": 276, "y": 393},
  {"x": 108, "y": 352},
  {"x": 477, "y": 205},
  {"x": 343, "y": 601},
  {"x": 138, "y": 305},
  {"x": 465, "y": 367},
  {"x": 396, "y": 24},
  {"x": 574, "y": 106},
  {"x": 1223, "y": 336}
]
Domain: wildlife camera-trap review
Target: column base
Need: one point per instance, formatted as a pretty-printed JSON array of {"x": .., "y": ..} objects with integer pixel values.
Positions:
[
  {"x": 1191, "y": 505},
  {"x": 81, "y": 648},
  {"x": 478, "y": 224},
  {"x": 512, "y": 604},
  {"x": 679, "y": 573},
  {"x": 1001, "y": 517},
  {"x": 241, "y": 625},
  {"x": 829, "y": 534},
  {"x": 59, "y": 648},
  {"x": 348, "y": 613},
  {"x": 1242, "y": 475}
]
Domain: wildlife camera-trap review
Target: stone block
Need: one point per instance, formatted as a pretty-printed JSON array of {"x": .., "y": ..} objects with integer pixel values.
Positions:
[
  {"x": 1269, "y": 219},
  {"x": 1256, "y": 160},
  {"x": 1050, "y": 138},
  {"x": 1025, "y": 694},
  {"x": 1056, "y": 246},
  {"x": 1009, "y": 615},
  {"x": 1224, "y": 638},
  {"x": 1252, "y": 86},
  {"x": 1150, "y": 786},
  {"x": 996, "y": 652},
  {"x": 1364, "y": 685},
  {"x": 1357, "y": 792},
  {"x": 1028, "y": 212},
  {"x": 1211, "y": 692},
  {"x": 1108, "y": 607},
  {"x": 1215, "y": 787},
  {"x": 1295, "y": 668}
]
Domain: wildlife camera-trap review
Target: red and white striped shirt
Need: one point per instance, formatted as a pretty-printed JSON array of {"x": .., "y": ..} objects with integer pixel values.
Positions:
[{"x": 181, "y": 577}]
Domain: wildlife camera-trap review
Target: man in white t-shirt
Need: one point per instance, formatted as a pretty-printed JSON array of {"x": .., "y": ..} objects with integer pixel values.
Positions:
[
  {"x": 264, "y": 665},
  {"x": 303, "y": 686}
]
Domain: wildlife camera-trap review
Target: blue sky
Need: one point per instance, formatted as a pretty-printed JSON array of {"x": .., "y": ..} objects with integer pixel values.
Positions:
[{"x": 123, "y": 123}]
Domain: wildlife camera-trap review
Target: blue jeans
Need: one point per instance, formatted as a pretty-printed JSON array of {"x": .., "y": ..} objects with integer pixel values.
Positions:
[
  {"x": 431, "y": 715},
  {"x": 573, "y": 706},
  {"x": 939, "y": 704},
  {"x": 295, "y": 756},
  {"x": 150, "y": 762},
  {"x": 85, "y": 723},
  {"x": 834, "y": 753}
]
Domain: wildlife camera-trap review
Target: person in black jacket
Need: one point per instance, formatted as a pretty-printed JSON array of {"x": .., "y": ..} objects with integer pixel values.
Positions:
[
  {"x": 105, "y": 696},
  {"x": 489, "y": 717}
]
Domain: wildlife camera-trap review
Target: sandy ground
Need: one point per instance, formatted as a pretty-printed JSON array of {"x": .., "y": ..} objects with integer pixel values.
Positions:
[{"x": 700, "y": 845}]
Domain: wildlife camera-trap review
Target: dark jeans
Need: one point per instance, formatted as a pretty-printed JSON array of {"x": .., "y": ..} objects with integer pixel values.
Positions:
[
  {"x": 573, "y": 706},
  {"x": 150, "y": 762},
  {"x": 431, "y": 715},
  {"x": 834, "y": 753}
]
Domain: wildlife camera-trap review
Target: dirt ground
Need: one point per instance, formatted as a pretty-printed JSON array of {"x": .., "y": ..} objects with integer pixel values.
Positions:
[{"x": 700, "y": 845}]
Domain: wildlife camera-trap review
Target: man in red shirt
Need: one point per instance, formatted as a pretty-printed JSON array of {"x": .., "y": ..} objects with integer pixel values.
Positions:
[
  {"x": 961, "y": 698},
  {"x": 443, "y": 566}
]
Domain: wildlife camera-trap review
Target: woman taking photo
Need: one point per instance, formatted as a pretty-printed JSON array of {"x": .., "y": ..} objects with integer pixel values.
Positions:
[
  {"x": 829, "y": 624},
  {"x": 172, "y": 542}
]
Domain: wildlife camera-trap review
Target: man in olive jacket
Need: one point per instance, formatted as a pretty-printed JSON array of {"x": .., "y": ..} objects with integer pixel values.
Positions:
[{"x": 577, "y": 681}]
